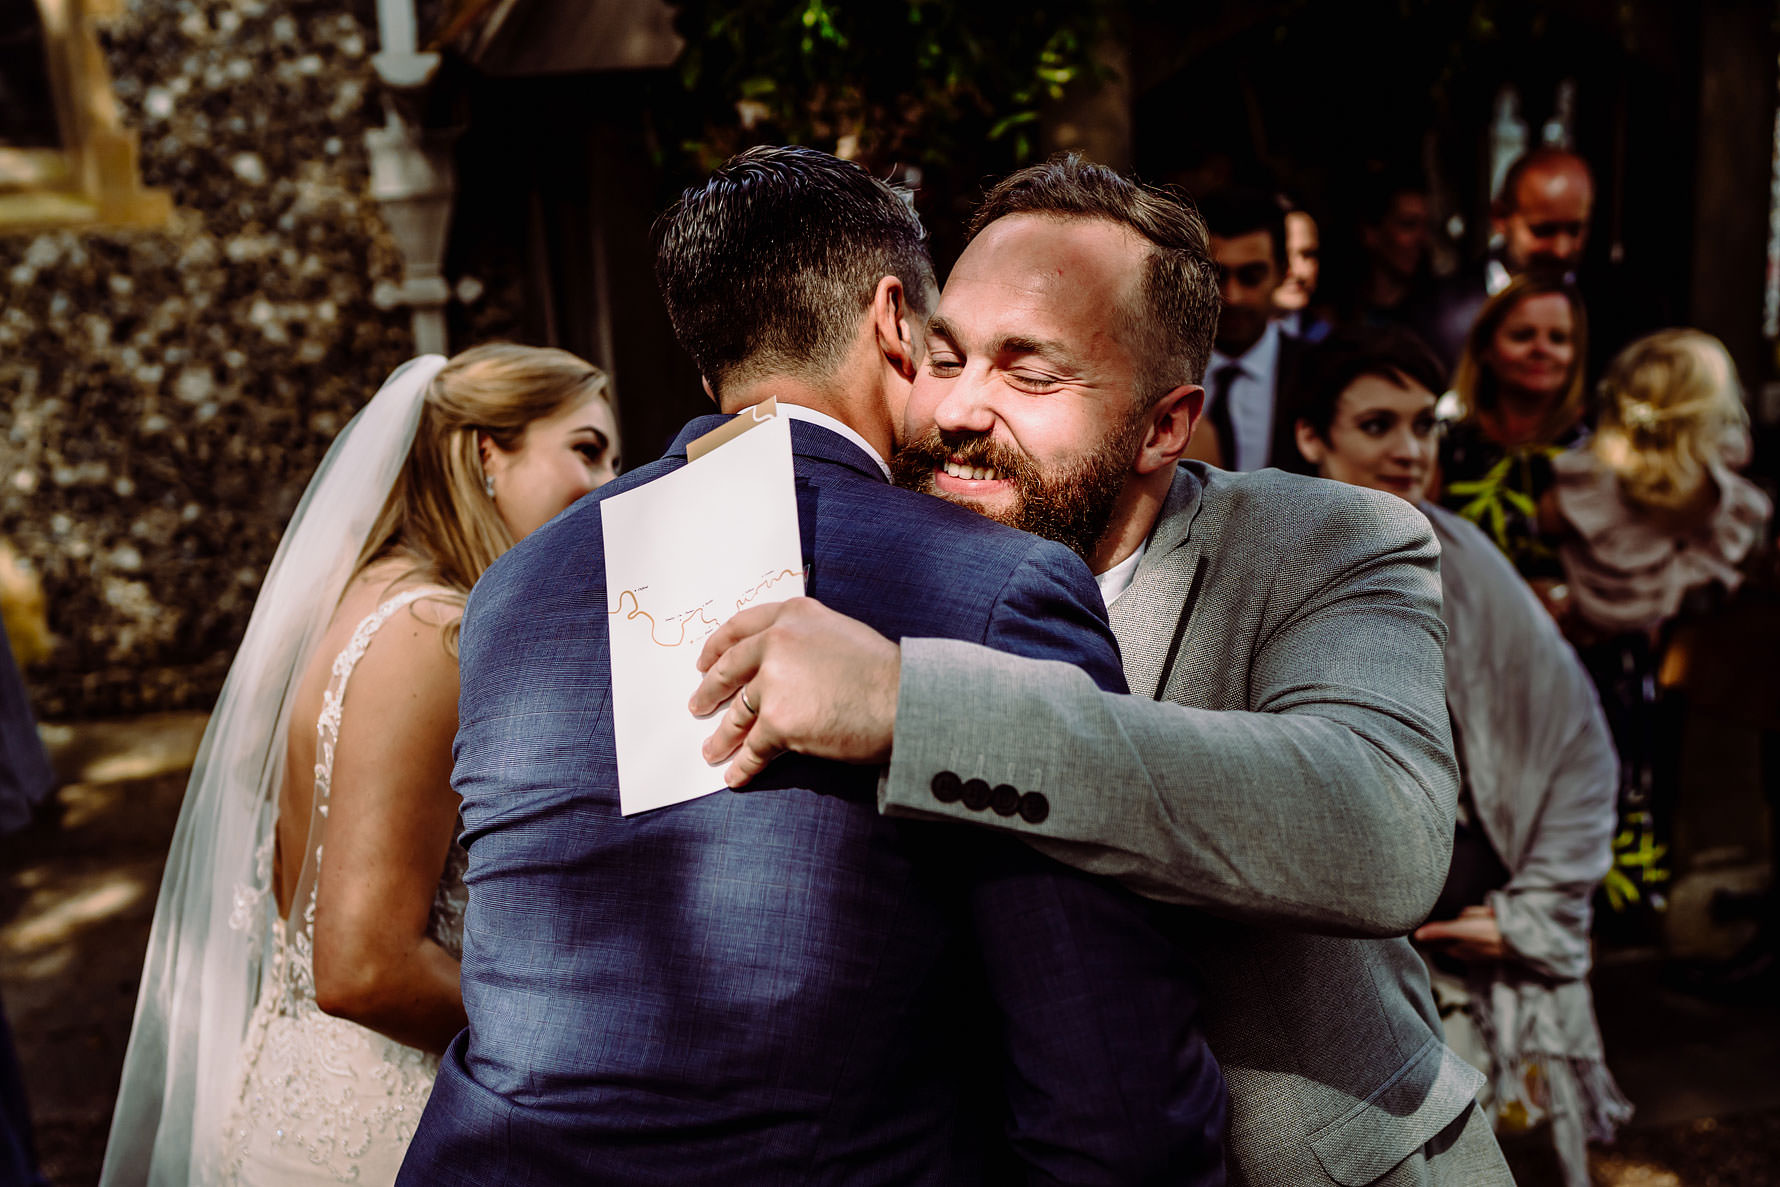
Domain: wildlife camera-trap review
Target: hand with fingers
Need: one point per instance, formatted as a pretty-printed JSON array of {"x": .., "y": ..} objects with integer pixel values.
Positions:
[
  {"x": 1474, "y": 935},
  {"x": 797, "y": 676}
]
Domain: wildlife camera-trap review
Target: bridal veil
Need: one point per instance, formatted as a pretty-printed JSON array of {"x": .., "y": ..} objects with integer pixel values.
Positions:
[{"x": 212, "y": 923}]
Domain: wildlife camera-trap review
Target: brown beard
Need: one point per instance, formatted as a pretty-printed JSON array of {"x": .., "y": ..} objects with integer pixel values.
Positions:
[{"x": 1073, "y": 505}]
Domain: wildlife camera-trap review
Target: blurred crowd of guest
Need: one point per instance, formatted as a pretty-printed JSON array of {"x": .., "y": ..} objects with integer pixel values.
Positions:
[{"x": 1581, "y": 470}]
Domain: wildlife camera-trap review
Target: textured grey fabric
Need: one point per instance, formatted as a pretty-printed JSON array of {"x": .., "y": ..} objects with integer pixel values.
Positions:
[
  {"x": 1297, "y": 774},
  {"x": 1543, "y": 775},
  {"x": 1464, "y": 1153}
]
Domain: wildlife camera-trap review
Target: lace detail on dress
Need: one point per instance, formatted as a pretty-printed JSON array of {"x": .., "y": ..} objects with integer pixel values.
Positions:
[{"x": 321, "y": 1099}]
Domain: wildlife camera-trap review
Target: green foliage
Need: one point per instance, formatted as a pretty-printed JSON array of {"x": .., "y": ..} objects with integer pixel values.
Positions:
[{"x": 881, "y": 80}]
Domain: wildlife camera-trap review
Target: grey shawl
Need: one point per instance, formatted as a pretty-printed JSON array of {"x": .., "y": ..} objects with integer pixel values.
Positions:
[{"x": 1542, "y": 772}]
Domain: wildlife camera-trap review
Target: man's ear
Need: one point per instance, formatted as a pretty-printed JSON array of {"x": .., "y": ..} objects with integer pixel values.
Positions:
[
  {"x": 893, "y": 322},
  {"x": 1172, "y": 422},
  {"x": 1313, "y": 447}
]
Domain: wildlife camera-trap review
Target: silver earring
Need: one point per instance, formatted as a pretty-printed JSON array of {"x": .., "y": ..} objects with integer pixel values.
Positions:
[{"x": 488, "y": 485}]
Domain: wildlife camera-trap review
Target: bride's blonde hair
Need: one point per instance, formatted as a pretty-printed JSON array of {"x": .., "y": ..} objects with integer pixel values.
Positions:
[
  {"x": 1670, "y": 405},
  {"x": 439, "y": 511}
]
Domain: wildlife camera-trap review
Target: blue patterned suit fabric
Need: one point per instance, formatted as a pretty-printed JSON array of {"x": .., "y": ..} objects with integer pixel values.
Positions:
[{"x": 781, "y": 985}]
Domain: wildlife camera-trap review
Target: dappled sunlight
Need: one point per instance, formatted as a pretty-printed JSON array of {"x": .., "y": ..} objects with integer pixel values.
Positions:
[
  {"x": 58, "y": 915},
  {"x": 56, "y": 962},
  {"x": 85, "y": 803},
  {"x": 1611, "y": 1171},
  {"x": 114, "y": 751}
]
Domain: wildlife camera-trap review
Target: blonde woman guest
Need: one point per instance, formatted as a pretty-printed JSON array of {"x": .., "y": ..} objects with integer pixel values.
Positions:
[
  {"x": 1520, "y": 404},
  {"x": 1654, "y": 508},
  {"x": 1650, "y": 511},
  {"x": 293, "y": 1008},
  {"x": 1508, "y": 939}
]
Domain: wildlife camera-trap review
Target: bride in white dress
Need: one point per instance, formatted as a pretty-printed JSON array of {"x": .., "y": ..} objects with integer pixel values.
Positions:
[{"x": 292, "y": 1008}]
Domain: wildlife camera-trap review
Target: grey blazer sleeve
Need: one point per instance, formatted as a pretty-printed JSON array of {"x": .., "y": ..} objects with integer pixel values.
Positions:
[{"x": 1321, "y": 798}]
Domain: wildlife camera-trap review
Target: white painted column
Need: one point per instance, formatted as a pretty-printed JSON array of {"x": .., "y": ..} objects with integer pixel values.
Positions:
[{"x": 412, "y": 178}]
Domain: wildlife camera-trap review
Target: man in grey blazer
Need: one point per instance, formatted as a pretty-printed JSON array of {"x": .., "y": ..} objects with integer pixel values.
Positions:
[{"x": 1293, "y": 777}]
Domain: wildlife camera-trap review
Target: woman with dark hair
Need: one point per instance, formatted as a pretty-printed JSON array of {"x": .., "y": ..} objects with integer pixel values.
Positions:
[
  {"x": 1508, "y": 940},
  {"x": 1520, "y": 403}
]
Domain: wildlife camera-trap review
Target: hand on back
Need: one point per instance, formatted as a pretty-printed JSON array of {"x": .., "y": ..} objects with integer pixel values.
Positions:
[{"x": 816, "y": 682}]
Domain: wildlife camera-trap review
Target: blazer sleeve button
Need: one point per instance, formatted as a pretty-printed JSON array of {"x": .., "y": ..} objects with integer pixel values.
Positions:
[
  {"x": 1034, "y": 808},
  {"x": 976, "y": 795},
  {"x": 946, "y": 787},
  {"x": 1005, "y": 799}
]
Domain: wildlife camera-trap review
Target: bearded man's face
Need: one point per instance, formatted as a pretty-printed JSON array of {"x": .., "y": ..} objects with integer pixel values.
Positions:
[
  {"x": 1069, "y": 500},
  {"x": 1025, "y": 408}
]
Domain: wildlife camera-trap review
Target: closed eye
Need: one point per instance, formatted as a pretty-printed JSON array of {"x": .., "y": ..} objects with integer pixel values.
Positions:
[{"x": 1030, "y": 382}]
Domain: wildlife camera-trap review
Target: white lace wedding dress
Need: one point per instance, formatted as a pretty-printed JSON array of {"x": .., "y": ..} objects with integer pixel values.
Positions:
[{"x": 321, "y": 1099}]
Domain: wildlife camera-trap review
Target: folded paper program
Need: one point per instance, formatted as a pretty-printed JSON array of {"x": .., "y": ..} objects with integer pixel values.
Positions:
[{"x": 683, "y": 553}]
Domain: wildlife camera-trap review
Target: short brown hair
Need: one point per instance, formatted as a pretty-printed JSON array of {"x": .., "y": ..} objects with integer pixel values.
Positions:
[
  {"x": 1177, "y": 318},
  {"x": 1332, "y": 366}
]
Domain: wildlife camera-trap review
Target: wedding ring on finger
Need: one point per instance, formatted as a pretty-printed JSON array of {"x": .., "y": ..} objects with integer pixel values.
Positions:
[{"x": 748, "y": 704}]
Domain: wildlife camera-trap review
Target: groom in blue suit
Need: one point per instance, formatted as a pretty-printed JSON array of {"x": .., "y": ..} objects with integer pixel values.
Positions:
[{"x": 782, "y": 987}]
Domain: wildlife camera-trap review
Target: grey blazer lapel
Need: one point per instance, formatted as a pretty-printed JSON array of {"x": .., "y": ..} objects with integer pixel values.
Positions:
[{"x": 1150, "y": 618}]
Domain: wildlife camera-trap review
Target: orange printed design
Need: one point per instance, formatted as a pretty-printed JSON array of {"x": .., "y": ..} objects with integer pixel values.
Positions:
[{"x": 688, "y": 626}]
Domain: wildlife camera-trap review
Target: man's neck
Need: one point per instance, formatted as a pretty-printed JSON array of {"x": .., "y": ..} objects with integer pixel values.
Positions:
[
  {"x": 1134, "y": 518},
  {"x": 1385, "y": 289},
  {"x": 1236, "y": 353},
  {"x": 863, "y": 414}
]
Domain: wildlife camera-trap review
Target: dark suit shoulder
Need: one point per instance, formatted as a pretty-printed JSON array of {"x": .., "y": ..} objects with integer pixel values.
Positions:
[
  {"x": 568, "y": 545},
  {"x": 911, "y": 564}
]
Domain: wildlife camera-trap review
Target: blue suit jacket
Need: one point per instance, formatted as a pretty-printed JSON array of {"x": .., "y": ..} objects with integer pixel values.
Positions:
[{"x": 779, "y": 986}]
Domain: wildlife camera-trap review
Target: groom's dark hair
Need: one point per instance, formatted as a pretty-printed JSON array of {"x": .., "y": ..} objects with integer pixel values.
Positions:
[{"x": 768, "y": 266}]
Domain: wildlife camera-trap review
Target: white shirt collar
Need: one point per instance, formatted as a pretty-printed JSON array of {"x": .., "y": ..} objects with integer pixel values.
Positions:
[
  {"x": 1251, "y": 397},
  {"x": 1117, "y": 579},
  {"x": 1495, "y": 276},
  {"x": 823, "y": 420}
]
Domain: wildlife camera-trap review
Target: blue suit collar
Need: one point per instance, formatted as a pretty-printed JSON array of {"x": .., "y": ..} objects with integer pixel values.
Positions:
[{"x": 807, "y": 441}]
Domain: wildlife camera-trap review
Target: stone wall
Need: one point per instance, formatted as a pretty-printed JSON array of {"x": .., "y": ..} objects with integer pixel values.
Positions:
[{"x": 167, "y": 393}]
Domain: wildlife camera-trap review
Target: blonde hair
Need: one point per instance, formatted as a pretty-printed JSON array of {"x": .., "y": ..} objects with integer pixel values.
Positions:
[
  {"x": 1475, "y": 383},
  {"x": 439, "y": 512},
  {"x": 1671, "y": 404}
]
